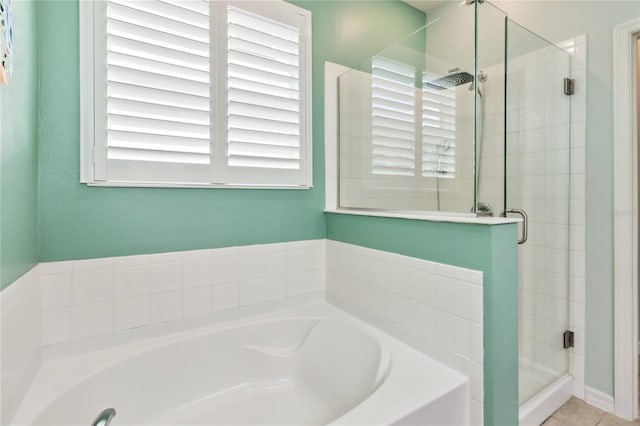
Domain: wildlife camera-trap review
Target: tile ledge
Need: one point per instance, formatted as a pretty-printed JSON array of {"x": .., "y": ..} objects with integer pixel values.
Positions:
[{"x": 429, "y": 216}]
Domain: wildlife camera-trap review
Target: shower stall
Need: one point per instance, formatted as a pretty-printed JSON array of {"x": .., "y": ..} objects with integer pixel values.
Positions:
[{"x": 470, "y": 116}]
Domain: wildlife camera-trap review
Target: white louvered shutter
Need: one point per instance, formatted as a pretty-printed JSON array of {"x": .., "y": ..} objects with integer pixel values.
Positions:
[
  {"x": 155, "y": 94},
  {"x": 393, "y": 118},
  {"x": 268, "y": 87},
  {"x": 438, "y": 132}
]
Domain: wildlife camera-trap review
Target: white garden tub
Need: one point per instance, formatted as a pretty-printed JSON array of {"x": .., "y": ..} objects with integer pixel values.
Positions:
[{"x": 313, "y": 365}]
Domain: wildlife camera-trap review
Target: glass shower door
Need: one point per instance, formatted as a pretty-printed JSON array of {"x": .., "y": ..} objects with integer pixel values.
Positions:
[{"x": 538, "y": 183}]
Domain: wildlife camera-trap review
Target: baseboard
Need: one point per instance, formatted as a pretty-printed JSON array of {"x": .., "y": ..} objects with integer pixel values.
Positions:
[{"x": 598, "y": 399}]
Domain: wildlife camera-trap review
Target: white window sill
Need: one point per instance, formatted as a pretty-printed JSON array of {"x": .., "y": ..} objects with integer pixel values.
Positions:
[
  {"x": 430, "y": 216},
  {"x": 191, "y": 185}
]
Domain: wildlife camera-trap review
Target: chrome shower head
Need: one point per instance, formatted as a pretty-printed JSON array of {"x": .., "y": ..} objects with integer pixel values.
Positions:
[{"x": 453, "y": 79}]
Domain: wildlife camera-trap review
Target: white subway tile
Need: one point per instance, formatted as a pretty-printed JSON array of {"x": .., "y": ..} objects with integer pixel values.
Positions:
[
  {"x": 475, "y": 277},
  {"x": 477, "y": 413},
  {"x": 131, "y": 312},
  {"x": 453, "y": 333},
  {"x": 475, "y": 304},
  {"x": 56, "y": 325},
  {"x": 91, "y": 286},
  {"x": 275, "y": 287},
  {"x": 376, "y": 301},
  {"x": 399, "y": 279},
  {"x": 128, "y": 261},
  {"x": 315, "y": 254},
  {"x": 424, "y": 321},
  {"x": 92, "y": 264},
  {"x": 296, "y": 259},
  {"x": 454, "y": 272},
  {"x": 225, "y": 296},
  {"x": 225, "y": 268},
  {"x": 198, "y": 272},
  {"x": 424, "y": 287},
  {"x": 165, "y": 277},
  {"x": 275, "y": 263},
  {"x": 477, "y": 383},
  {"x": 296, "y": 283},
  {"x": 131, "y": 281},
  {"x": 172, "y": 257},
  {"x": 250, "y": 265},
  {"x": 453, "y": 296},
  {"x": 56, "y": 291},
  {"x": 316, "y": 280},
  {"x": 166, "y": 306},
  {"x": 476, "y": 345},
  {"x": 399, "y": 310},
  {"x": 251, "y": 292},
  {"x": 197, "y": 301},
  {"x": 47, "y": 268},
  {"x": 92, "y": 319}
]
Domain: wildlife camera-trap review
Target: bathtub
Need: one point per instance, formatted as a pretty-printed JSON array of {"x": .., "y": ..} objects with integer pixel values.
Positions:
[{"x": 311, "y": 365}]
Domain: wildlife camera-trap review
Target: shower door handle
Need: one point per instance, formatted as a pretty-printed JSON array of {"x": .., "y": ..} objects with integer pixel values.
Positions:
[{"x": 525, "y": 223}]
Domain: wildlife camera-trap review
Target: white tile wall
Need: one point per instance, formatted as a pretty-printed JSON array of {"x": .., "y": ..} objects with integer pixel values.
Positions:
[
  {"x": 437, "y": 304},
  {"x": 21, "y": 331},
  {"x": 98, "y": 296}
]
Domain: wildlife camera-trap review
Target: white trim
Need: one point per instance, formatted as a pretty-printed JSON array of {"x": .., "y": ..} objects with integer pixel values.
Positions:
[
  {"x": 625, "y": 214},
  {"x": 598, "y": 399},
  {"x": 86, "y": 90},
  {"x": 536, "y": 410}
]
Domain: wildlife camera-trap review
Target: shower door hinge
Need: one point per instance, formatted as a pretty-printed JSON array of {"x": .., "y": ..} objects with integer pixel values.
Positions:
[
  {"x": 567, "y": 339},
  {"x": 569, "y": 86}
]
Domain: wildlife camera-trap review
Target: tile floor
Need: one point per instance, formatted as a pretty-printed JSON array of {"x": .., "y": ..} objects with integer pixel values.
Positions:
[{"x": 576, "y": 412}]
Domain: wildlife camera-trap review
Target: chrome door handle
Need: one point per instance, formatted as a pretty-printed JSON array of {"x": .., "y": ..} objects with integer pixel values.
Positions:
[{"x": 525, "y": 223}]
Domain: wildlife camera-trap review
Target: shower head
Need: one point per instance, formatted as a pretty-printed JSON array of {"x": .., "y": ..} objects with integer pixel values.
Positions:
[{"x": 453, "y": 79}]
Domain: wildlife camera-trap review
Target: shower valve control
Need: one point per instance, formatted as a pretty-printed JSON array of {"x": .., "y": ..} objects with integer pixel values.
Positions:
[{"x": 567, "y": 339}]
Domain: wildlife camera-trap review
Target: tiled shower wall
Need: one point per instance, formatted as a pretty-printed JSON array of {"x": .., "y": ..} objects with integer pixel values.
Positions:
[
  {"x": 432, "y": 306},
  {"x": 361, "y": 188},
  {"x": 546, "y": 167}
]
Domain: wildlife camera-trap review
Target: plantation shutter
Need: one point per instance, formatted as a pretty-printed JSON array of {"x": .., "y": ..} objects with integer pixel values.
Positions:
[
  {"x": 393, "y": 118},
  {"x": 155, "y": 92},
  {"x": 438, "y": 132},
  {"x": 267, "y": 129}
]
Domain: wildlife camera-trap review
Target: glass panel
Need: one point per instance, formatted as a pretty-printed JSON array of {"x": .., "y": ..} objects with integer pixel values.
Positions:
[
  {"x": 538, "y": 117},
  {"x": 406, "y": 136},
  {"x": 490, "y": 108}
]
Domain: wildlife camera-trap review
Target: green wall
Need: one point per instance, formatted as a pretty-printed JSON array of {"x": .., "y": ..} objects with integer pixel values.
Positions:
[
  {"x": 77, "y": 222},
  {"x": 19, "y": 149},
  {"x": 490, "y": 249}
]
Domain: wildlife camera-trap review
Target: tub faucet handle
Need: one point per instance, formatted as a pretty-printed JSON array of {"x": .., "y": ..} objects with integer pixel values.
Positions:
[{"x": 105, "y": 417}]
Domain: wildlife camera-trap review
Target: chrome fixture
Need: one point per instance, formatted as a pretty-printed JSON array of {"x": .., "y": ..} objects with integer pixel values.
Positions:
[
  {"x": 482, "y": 78},
  {"x": 525, "y": 223},
  {"x": 105, "y": 417},
  {"x": 454, "y": 78},
  {"x": 484, "y": 210}
]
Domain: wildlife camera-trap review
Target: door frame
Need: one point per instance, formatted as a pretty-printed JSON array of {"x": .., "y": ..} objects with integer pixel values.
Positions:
[{"x": 625, "y": 213}]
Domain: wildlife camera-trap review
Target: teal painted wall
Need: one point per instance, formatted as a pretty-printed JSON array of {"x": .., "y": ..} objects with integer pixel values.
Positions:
[
  {"x": 77, "y": 222},
  {"x": 19, "y": 149},
  {"x": 490, "y": 249}
]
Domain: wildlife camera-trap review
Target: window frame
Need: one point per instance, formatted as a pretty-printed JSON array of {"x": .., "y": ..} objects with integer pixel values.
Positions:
[{"x": 92, "y": 129}]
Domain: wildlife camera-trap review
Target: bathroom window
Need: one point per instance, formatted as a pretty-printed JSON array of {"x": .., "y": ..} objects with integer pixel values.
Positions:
[
  {"x": 196, "y": 93},
  {"x": 404, "y": 145},
  {"x": 438, "y": 131},
  {"x": 393, "y": 118}
]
